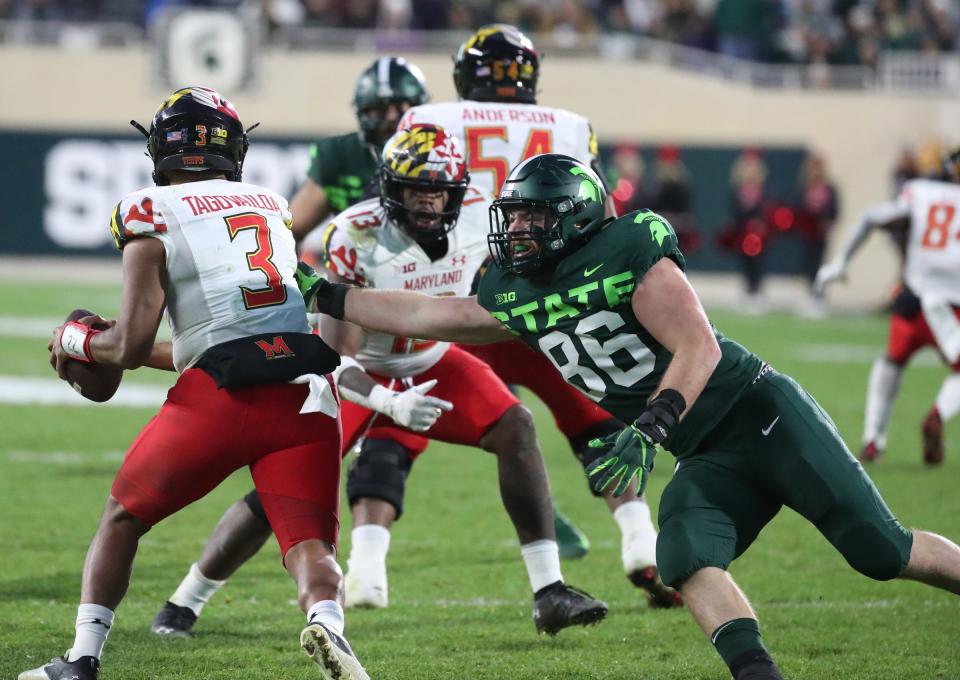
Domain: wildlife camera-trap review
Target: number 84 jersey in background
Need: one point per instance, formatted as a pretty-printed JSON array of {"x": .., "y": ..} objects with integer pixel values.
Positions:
[
  {"x": 500, "y": 135},
  {"x": 231, "y": 254},
  {"x": 933, "y": 245},
  {"x": 582, "y": 319}
]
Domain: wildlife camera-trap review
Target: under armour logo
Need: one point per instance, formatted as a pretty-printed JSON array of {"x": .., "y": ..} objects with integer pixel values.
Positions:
[{"x": 459, "y": 260}]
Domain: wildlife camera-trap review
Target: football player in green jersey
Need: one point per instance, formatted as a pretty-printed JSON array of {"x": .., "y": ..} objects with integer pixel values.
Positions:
[
  {"x": 343, "y": 167},
  {"x": 606, "y": 300}
]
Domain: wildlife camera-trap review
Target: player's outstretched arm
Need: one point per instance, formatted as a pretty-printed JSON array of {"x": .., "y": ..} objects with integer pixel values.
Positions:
[
  {"x": 400, "y": 312},
  {"x": 668, "y": 307},
  {"x": 885, "y": 215},
  {"x": 415, "y": 315}
]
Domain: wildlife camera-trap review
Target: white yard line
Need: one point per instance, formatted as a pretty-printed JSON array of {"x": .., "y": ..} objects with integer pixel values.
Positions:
[
  {"x": 62, "y": 457},
  {"x": 55, "y": 392},
  {"x": 40, "y": 328}
]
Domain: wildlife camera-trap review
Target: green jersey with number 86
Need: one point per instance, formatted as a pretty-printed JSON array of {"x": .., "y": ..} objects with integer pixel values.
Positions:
[{"x": 581, "y": 318}]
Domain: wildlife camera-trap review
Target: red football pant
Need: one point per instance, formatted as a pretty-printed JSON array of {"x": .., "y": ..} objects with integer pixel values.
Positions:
[
  {"x": 908, "y": 335},
  {"x": 203, "y": 434},
  {"x": 479, "y": 400},
  {"x": 517, "y": 364}
]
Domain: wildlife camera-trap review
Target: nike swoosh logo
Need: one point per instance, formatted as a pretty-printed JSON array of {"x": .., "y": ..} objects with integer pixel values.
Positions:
[
  {"x": 588, "y": 272},
  {"x": 765, "y": 431}
]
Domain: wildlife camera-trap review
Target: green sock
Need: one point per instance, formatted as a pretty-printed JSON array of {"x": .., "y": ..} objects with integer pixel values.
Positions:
[{"x": 737, "y": 637}]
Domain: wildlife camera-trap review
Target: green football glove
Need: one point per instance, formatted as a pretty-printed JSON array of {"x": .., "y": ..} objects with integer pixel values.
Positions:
[
  {"x": 629, "y": 453},
  {"x": 319, "y": 294}
]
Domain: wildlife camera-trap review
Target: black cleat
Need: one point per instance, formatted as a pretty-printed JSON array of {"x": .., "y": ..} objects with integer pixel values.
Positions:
[
  {"x": 660, "y": 596},
  {"x": 84, "y": 668},
  {"x": 558, "y": 606},
  {"x": 174, "y": 620}
]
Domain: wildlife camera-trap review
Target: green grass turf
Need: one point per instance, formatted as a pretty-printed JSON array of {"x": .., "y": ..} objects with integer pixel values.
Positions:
[{"x": 459, "y": 598}]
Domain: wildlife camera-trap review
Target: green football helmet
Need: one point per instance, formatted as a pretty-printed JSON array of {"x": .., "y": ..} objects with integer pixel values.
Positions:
[
  {"x": 548, "y": 207},
  {"x": 388, "y": 80}
]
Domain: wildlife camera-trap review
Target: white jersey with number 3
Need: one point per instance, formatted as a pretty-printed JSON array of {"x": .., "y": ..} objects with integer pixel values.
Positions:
[
  {"x": 230, "y": 258},
  {"x": 498, "y": 136},
  {"x": 363, "y": 246},
  {"x": 933, "y": 246}
]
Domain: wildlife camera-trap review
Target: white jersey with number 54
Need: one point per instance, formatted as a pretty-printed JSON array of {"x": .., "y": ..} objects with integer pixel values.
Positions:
[
  {"x": 499, "y": 135},
  {"x": 230, "y": 259},
  {"x": 933, "y": 246}
]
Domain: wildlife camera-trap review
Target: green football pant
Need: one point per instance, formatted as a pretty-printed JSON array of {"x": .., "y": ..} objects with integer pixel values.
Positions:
[{"x": 775, "y": 447}]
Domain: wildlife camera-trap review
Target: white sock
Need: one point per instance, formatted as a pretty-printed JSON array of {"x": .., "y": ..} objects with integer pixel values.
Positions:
[
  {"x": 93, "y": 626},
  {"x": 327, "y": 612},
  {"x": 638, "y": 537},
  {"x": 195, "y": 590},
  {"x": 948, "y": 400},
  {"x": 369, "y": 544},
  {"x": 542, "y": 559},
  {"x": 882, "y": 389}
]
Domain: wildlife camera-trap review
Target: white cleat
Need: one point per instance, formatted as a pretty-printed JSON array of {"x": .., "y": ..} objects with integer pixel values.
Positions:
[
  {"x": 331, "y": 653},
  {"x": 366, "y": 588}
]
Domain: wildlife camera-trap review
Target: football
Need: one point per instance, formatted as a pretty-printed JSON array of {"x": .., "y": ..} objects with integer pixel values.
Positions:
[{"x": 96, "y": 382}]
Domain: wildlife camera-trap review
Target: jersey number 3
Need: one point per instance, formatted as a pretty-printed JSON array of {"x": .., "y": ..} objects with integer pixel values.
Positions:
[{"x": 259, "y": 260}]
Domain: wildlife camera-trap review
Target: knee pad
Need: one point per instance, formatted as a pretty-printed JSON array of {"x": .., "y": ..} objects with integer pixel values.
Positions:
[
  {"x": 379, "y": 471},
  {"x": 252, "y": 500},
  {"x": 581, "y": 443},
  {"x": 879, "y": 552}
]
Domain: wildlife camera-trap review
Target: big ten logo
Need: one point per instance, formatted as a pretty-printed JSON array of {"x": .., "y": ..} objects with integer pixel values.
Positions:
[
  {"x": 408, "y": 268},
  {"x": 84, "y": 179}
]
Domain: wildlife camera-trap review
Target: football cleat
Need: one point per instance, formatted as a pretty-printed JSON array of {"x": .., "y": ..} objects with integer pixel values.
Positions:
[
  {"x": 659, "y": 595},
  {"x": 558, "y": 606},
  {"x": 366, "y": 588},
  {"x": 84, "y": 668},
  {"x": 572, "y": 542},
  {"x": 332, "y": 653},
  {"x": 933, "y": 438},
  {"x": 870, "y": 452},
  {"x": 174, "y": 621}
]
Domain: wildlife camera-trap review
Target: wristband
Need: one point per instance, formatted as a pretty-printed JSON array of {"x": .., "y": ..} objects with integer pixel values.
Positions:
[
  {"x": 75, "y": 341},
  {"x": 661, "y": 414}
]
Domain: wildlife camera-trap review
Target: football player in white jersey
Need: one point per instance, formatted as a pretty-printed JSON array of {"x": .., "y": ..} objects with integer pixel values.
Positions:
[
  {"x": 927, "y": 308},
  {"x": 427, "y": 232},
  {"x": 217, "y": 255},
  {"x": 495, "y": 74}
]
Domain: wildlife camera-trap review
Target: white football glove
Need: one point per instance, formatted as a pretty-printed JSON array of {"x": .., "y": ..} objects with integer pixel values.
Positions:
[
  {"x": 828, "y": 273},
  {"x": 411, "y": 408}
]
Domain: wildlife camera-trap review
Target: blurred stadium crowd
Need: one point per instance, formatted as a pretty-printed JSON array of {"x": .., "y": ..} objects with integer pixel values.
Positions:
[{"x": 841, "y": 32}]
